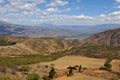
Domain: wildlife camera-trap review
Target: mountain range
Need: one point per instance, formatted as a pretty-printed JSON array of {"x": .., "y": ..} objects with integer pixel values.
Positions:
[
  {"x": 97, "y": 45},
  {"x": 58, "y": 31}
]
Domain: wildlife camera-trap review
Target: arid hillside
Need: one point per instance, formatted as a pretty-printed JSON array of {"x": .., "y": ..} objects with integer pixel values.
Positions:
[
  {"x": 24, "y": 45},
  {"x": 110, "y": 37},
  {"x": 101, "y": 45}
]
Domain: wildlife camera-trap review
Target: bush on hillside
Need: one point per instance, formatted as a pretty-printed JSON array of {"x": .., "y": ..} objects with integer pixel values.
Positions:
[
  {"x": 25, "y": 68},
  {"x": 33, "y": 76}
]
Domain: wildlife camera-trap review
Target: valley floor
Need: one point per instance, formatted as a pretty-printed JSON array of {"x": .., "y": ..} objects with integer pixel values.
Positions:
[
  {"x": 91, "y": 72},
  {"x": 92, "y": 65}
]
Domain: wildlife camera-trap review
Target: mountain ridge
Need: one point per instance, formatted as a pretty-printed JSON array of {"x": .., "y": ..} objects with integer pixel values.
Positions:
[
  {"x": 98, "y": 45},
  {"x": 27, "y": 46},
  {"x": 109, "y": 37},
  {"x": 58, "y": 31}
]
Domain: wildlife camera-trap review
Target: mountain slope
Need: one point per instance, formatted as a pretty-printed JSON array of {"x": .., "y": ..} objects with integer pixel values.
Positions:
[
  {"x": 59, "y": 31},
  {"x": 101, "y": 45},
  {"x": 26, "y": 45},
  {"x": 34, "y": 31},
  {"x": 110, "y": 37}
]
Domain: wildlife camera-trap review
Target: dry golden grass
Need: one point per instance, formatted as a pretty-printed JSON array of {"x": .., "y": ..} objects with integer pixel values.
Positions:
[
  {"x": 90, "y": 63},
  {"x": 78, "y": 77},
  {"x": 64, "y": 62},
  {"x": 116, "y": 65},
  {"x": 35, "y": 46},
  {"x": 93, "y": 65}
]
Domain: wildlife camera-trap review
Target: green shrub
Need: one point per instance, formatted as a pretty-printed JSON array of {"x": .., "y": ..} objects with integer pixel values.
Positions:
[
  {"x": 24, "y": 60},
  {"x": 80, "y": 68},
  {"x": 113, "y": 79},
  {"x": 107, "y": 66},
  {"x": 3, "y": 69},
  {"x": 25, "y": 68},
  {"x": 5, "y": 78},
  {"x": 52, "y": 73},
  {"x": 70, "y": 73},
  {"x": 118, "y": 75},
  {"x": 33, "y": 76},
  {"x": 84, "y": 68},
  {"x": 5, "y": 43}
]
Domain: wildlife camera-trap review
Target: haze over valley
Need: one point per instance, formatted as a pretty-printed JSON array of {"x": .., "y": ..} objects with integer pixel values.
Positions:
[{"x": 57, "y": 31}]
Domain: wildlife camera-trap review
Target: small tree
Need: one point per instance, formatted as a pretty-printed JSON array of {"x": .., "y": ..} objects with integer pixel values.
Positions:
[
  {"x": 107, "y": 66},
  {"x": 70, "y": 73},
  {"x": 107, "y": 63},
  {"x": 80, "y": 68},
  {"x": 52, "y": 73},
  {"x": 33, "y": 76}
]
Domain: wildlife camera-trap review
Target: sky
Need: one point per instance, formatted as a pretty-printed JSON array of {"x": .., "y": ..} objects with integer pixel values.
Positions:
[{"x": 60, "y": 12}]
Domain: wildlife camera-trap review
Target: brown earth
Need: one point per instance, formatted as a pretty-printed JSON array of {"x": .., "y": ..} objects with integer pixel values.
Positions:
[
  {"x": 25, "y": 46},
  {"x": 92, "y": 65}
]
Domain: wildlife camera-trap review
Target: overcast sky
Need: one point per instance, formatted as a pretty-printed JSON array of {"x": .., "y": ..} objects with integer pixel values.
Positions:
[{"x": 60, "y": 12}]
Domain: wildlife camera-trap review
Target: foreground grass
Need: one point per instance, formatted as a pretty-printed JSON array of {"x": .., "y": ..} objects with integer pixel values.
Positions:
[{"x": 25, "y": 60}]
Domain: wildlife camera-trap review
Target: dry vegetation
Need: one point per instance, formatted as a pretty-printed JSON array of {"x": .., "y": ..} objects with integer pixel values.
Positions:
[
  {"x": 19, "y": 72},
  {"x": 32, "y": 56},
  {"x": 64, "y": 62},
  {"x": 92, "y": 65},
  {"x": 78, "y": 76},
  {"x": 24, "y": 46}
]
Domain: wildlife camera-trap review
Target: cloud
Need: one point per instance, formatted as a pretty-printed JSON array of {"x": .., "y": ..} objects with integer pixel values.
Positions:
[
  {"x": 27, "y": 1},
  {"x": 55, "y": 3},
  {"x": 1, "y": 1},
  {"x": 116, "y": 13},
  {"x": 118, "y": 4},
  {"x": 21, "y": 7},
  {"x": 27, "y": 12},
  {"x": 117, "y": 1},
  {"x": 111, "y": 18},
  {"x": 27, "y": 6},
  {"x": 55, "y": 10},
  {"x": 51, "y": 10}
]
